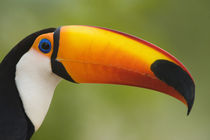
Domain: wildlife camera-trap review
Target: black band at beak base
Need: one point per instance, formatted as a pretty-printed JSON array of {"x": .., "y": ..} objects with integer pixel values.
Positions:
[{"x": 58, "y": 67}]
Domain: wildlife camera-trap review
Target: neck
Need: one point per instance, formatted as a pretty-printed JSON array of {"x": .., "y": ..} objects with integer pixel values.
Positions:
[{"x": 36, "y": 84}]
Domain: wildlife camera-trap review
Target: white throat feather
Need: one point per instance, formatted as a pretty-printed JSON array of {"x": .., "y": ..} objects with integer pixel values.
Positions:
[{"x": 36, "y": 84}]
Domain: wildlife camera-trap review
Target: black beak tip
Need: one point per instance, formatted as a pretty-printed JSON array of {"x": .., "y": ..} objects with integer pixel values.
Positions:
[
  {"x": 189, "y": 109},
  {"x": 190, "y": 105},
  {"x": 175, "y": 76},
  {"x": 190, "y": 101}
]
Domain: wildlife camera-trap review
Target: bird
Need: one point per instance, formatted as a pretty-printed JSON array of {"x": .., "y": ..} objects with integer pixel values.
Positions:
[{"x": 30, "y": 72}]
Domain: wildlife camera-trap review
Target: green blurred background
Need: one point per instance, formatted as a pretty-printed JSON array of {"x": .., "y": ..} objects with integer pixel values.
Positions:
[{"x": 110, "y": 112}]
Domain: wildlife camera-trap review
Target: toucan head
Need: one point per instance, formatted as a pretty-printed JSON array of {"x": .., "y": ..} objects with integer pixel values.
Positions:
[{"x": 88, "y": 54}]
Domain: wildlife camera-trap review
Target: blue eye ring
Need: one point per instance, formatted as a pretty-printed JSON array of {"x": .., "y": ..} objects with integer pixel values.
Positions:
[{"x": 45, "y": 46}]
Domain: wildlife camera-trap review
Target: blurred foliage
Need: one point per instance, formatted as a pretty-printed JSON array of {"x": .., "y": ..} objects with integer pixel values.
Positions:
[{"x": 110, "y": 112}]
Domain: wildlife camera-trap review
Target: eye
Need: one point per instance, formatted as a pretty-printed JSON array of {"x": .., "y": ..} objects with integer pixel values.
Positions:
[{"x": 45, "y": 45}]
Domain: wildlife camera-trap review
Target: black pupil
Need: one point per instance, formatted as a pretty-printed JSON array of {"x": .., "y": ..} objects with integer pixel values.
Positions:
[{"x": 45, "y": 46}]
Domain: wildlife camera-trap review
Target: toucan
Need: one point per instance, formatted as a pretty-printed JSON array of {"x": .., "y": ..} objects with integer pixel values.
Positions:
[{"x": 31, "y": 71}]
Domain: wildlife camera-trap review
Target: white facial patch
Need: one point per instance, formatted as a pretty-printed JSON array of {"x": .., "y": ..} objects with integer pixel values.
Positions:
[{"x": 36, "y": 84}]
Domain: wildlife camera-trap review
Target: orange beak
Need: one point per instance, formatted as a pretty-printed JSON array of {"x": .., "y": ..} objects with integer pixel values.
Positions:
[{"x": 86, "y": 54}]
